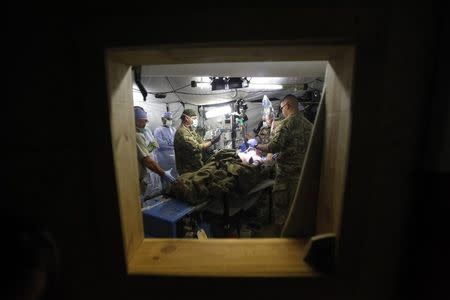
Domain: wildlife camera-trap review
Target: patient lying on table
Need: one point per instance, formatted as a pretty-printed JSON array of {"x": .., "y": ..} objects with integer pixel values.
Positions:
[
  {"x": 253, "y": 156},
  {"x": 226, "y": 174}
]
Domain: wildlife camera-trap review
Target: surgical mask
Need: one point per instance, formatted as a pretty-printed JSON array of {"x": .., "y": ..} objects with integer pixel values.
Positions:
[
  {"x": 194, "y": 122},
  {"x": 169, "y": 123},
  {"x": 141, "y": 130}
]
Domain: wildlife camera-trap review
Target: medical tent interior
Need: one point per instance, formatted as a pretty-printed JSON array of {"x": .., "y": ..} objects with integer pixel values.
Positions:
[
  {"x": 231, "y": 98},
  {"x": 170, "y": 88}
]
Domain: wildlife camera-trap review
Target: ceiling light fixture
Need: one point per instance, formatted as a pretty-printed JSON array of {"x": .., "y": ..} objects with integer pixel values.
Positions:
[
  {"x": 217, "y": 111},
  {"x": 262, "y": 86},
  {"x": 229, "y": 83},
  {"x": 201, "y": 84},
  {"x": 204, "y": 85},
  {"x": 237, "y": 82},
  {"x": 218, "y": 83}
]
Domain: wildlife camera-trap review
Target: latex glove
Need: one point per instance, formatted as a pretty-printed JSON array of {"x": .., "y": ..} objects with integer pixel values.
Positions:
[
  {"x": 252, "y": 143},
  {"x": 215, "y": 139},
  {"x": 169, "y": 176}
]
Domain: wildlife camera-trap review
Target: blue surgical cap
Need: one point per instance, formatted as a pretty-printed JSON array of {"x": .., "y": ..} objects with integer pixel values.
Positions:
[
  {"x": 139, "y": 113},
  {"x": 167, "y": 115}
]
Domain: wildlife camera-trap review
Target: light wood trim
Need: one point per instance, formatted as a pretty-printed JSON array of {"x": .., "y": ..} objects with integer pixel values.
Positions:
[
  {"x": 125, "y": 156},
  {"x": 338, "y": 84},
  {"x": 222, "y": 258},
  {"x": 301, "y": 221},
  {"x": 240, "y": 258}
]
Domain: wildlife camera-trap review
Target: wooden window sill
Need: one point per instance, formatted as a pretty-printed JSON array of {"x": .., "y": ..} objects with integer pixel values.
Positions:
[{"x": 221, "y": 258}]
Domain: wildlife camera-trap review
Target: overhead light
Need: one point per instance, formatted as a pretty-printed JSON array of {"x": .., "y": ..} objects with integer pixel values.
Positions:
[
  {"x": 237, "y": 82},
  {"x": 225, "y": 83},
  {"x": 261, "y": 86},
  {"x": 204, "y": 85},
  {"x": 218, "y": 83},
  {"x": 217, "y": 111}
]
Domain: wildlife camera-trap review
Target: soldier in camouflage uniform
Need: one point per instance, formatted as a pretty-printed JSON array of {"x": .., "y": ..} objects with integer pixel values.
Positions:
[
  {"x": 291, "y": 142},
  {"x": 266, "y": 133},
  {"x": 263, "y": 136},
  {"x": 189, "y": 145}
]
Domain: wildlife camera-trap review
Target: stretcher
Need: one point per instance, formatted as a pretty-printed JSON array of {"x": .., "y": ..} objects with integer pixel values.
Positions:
[{"x": 230, "y": 208}]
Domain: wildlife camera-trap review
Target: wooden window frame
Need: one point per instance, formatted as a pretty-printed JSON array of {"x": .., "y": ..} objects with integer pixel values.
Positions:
[{"x": 275, "y": 257}]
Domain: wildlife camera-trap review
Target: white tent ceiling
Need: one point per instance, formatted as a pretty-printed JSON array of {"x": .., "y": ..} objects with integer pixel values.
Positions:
[{"x": 167, "y": 78}]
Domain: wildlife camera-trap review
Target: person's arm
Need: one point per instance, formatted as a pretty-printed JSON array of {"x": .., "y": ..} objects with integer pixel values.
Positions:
[
  {"x": 278, "y": 142},
  {"x": 262, "y": 148},
  {"x": 206, "y": 144},
  {"x": 144, "y": 156},
  {"x": 214, "y": 140},
  {"x": 152, "y": 165},
  {"x": 190, "y": 143}
]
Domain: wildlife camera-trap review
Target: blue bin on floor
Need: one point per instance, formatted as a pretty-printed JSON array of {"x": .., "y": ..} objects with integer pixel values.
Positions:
[{"x": 162, "y": 216}]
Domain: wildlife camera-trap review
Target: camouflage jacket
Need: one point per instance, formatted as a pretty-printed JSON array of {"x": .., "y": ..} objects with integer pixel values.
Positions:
[
  {"x": 266, "y": 134},
  {"x": 291, "y": 142},
  {"x": 263, "y": 136},
  {"x": 188, "y": 150},
  {"x": 275, "y": 128}
]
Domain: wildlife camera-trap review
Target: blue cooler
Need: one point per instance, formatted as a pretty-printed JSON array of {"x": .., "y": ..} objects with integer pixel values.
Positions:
[{"x": 162, "y": 216}]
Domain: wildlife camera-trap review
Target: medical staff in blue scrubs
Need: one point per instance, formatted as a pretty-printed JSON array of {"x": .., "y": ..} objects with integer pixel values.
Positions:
[{"x": 164, "y": 135}]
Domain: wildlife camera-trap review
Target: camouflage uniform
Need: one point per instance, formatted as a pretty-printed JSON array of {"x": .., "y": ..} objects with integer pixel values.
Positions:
[
  {"x": 266, "y": 134},
  {"x": 263, "y": 136},
  {"x": 261, "y": 210},
  {"x": 275, "y": 128},
  {"x": 188, "y": 151},
  {"x": 291, "y": 142}
]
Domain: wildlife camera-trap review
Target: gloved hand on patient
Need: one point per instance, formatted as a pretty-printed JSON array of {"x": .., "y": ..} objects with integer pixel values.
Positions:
[
  {"x": 252, "y": 143},
  {"x": 216, "y": 138},
  {"x": 169, "y": 176}
]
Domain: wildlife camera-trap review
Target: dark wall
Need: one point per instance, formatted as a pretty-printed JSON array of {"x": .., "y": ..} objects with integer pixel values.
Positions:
[{"x": 60, "y": 166}]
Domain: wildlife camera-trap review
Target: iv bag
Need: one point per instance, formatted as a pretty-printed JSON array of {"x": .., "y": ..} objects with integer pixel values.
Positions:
[
  {"x": 266, "y": 102},
  {"x": 267, "y": 108}
]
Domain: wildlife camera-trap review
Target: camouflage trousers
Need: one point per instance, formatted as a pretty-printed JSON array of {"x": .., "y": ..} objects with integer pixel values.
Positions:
[{"x": 282, "y": 196}]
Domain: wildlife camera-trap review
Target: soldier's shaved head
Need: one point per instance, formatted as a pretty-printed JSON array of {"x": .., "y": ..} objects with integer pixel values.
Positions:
[
  {"x": 289, "y": 105},
  {"x": 291, "y": 100}
]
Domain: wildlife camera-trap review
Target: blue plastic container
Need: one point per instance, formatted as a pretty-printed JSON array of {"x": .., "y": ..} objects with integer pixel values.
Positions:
[{"x": 162, "y": 215}]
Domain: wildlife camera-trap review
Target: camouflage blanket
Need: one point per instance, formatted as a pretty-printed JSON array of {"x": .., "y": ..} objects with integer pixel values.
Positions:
[{"x": 223, "y": 175}]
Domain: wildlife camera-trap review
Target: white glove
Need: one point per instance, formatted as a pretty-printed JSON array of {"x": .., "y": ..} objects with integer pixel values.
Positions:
[
  {"x": 252, "y": 143},
  {"x": 169, "y": 176}
]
